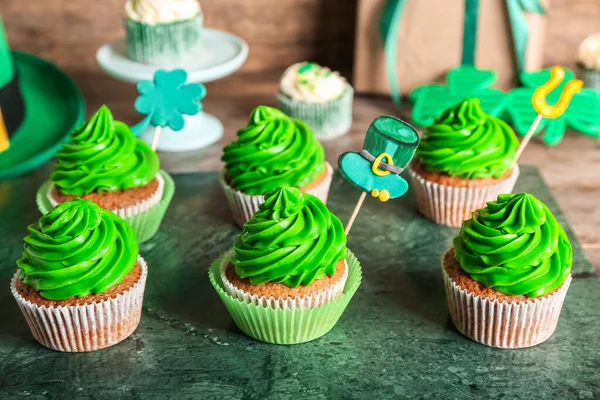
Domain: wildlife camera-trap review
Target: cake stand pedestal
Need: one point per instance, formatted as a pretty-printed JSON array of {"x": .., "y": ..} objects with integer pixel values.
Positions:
[{"x": 220, "y": 54}]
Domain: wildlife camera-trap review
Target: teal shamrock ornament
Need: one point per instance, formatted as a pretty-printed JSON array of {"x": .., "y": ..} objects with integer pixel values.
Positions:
[
  {"x": 582, "y": 114},
  {"x": 430, "y": 101},
  {"x": 167, "y": 97}
]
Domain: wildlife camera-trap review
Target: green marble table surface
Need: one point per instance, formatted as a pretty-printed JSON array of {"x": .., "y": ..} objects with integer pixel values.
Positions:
[{"x": 395, "y": 340}]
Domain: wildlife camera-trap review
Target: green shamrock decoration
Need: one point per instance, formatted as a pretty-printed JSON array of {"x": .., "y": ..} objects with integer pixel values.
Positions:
[
  {"x": 430, "y": 101},
  {"x": 583, "y": 113}
]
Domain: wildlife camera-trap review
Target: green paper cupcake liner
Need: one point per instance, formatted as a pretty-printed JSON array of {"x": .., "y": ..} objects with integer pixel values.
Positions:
[
  {"x": 286, "y": 326},
  {"x": 328, "y": 120},
  {"x": 145, "y": 224},
  {"x": 590, "y": 77},
  {"x": 164, "y": 45}
]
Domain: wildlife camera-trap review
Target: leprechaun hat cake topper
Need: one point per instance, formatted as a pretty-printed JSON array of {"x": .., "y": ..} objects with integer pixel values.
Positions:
[{"x": 389, "y": 145}]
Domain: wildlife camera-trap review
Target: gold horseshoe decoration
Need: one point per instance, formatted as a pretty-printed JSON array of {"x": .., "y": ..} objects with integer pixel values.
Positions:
[
  {"x": 557, "y": 74},
  {"x": 377, "y": 161}
]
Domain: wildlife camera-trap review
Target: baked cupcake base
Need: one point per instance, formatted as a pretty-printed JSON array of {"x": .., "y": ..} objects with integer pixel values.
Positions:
[
  {"x": 496, "y": 319},
  {"x": 84, "y": 324},
  {"x": 285, "y": 325},
  {"x": 243, "y": 206},
  {"x": 277, "y": 295},
  {"x": 450, "y": 201},
  {"x": 144, "y": 217},
  {"x": 124, "y": 203}
]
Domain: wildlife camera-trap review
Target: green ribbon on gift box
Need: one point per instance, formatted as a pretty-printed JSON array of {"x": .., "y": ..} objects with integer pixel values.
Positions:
[{"x": 389, "y": 24}]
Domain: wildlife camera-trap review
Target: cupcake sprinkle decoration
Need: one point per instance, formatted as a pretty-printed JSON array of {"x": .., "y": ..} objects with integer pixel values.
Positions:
[
  {"x": 103, "y": 156},
  {"x": 293, "y": 239},
  {"x": 310, "y": 82},
  {"x": 468, "y": 143},
  {"x": 77, "y": 249},
  {"x": 273, "y": 150},
  {"x": 515, "y": 246}
]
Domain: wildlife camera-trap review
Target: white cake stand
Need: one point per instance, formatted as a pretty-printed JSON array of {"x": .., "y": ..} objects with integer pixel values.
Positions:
[{"x": 220, "y": 54}]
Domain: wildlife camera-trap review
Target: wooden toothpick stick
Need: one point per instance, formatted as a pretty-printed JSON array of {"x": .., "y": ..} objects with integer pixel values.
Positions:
[
  {"x": 155, "y": 138},
  {"x": 528, "y": 136},
  {"x": 355, "y": 212}
]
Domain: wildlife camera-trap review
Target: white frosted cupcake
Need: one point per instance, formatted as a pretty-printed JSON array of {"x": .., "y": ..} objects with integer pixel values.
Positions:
[
  {"x": 162, "y": 32},
  {"x": 589, "y": 61},
  {"x": 320, "y": 97}
]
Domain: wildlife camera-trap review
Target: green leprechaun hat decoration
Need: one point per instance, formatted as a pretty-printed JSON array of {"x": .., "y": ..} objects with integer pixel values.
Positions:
[
  {"x": 12, "y": 109},
  {"x": 39, "y": 106},
  {"x": 389, "y": 145}
]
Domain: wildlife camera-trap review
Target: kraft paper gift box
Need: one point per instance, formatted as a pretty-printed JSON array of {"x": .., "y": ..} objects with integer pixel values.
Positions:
[{"x": 430, "y": 42}]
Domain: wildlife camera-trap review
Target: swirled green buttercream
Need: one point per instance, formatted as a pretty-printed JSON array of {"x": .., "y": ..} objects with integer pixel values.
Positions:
[
  {"x": 515, "y": 246},
  {"x": 103, "y": 156},
  {"x": 468, "y": 143},
  {"x": 273, "y": 150},
  {"x": 76, "y": 250},
  {"x": 293, "y": 239}
]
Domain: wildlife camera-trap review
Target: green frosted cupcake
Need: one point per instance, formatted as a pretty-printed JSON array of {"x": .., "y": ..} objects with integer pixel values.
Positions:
[
  {"x": 289, "y": 276},
  {"x": 80, "y": 281},
  {"x": 508, "y": 273},
  {"x": 272, "y": 150},
  {"x": 162, "y": 33},
  {"x": 318, "y": 96},
  {"x": 105, "y": 163},
  {"x": 464, "y": 160}
]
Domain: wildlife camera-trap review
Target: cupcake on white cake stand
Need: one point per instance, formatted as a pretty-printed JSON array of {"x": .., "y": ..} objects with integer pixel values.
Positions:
[{"x": 220, "y": 54}]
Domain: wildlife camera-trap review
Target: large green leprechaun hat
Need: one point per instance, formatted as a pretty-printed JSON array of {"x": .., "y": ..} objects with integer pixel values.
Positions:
[
  {"x": 39, "y": 106},
  {"x": 389, "y": 145}
]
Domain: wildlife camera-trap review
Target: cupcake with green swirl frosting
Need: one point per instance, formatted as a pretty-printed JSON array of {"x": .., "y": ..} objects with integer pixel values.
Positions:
[
  {"x": 318, "y": 96},
  {"x": 80, "y": 280},
  {"x": 508, "y": 273},
  {"x": 289, "y": 276},
  {"x": 271, "y": 151},
  {"x": 465, "y": 159},
  {"x": 105, "y": 163}
]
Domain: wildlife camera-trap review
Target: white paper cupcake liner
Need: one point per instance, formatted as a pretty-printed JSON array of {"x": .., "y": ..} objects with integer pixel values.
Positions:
[
  {"x": 243, "y": 206},
  {"x": 501, "y": 324},
  {"x": 299, "y": 302},
  {"x": 329, "y": 120},
  {"x": 447, "y": 205},
  {"x": 87, "y": 327},
  {"x": 135, "y": 209}
]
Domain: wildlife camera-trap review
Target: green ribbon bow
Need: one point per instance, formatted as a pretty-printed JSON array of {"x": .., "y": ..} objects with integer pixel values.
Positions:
[{"x": 389, "y": 24}]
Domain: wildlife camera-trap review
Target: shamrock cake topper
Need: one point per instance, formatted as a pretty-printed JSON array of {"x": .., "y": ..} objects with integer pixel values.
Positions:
[
  {"x": 165, "y": 99},
  {"x": 389, "y": 145},
  {"x": 430, "y": 101},
  {"x": 545, "y": 110},
  {"x": 583, "y": 113}
]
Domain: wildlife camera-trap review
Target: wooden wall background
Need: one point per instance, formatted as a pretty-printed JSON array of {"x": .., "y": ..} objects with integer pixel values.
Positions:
[{"x": 280, "y": 32}]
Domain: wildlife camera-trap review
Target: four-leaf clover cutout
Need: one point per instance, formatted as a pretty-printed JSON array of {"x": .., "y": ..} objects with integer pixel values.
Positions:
[
  {"x": 167, "y": 97},
  {"x": 430, "y": 101},
  {"x": 583, "y": 113}
]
